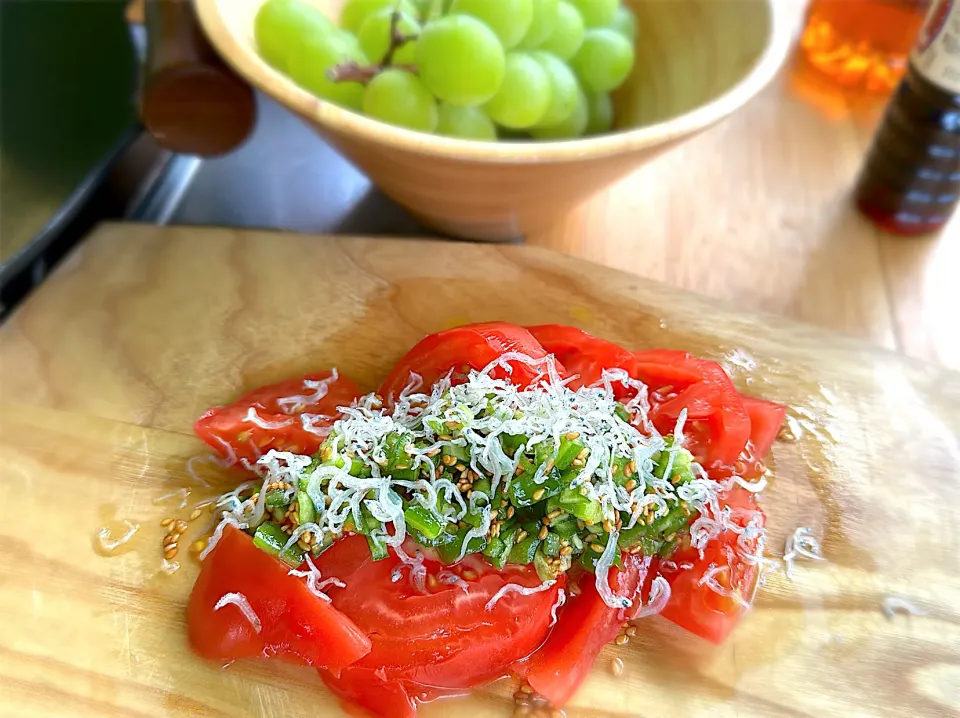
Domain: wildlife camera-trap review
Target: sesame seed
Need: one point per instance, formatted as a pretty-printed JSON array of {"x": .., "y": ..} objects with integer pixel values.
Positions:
[
  {"x": 622, "y": 639},
  {"x": 630, "y": 469},
  {"x": 590, "y": 539},
  {"x": 445, "y": 437},
  {"x": 584, "y": 452},
  {"x": 538, "y": 494},
  {"x": 195, "y": 515},
  {"x": 553, "y": 514},
  {"x": 166, "y": 522},
  {"x": 433, "y": 452},
  {"x": 616, "y": 667},
  {"x": 631, "y": 485},
  {"x": 167, "y": 540},
  {"x": 631, "y": 631},
  {"x": 543, "y": 533},
  {"x": 577, "y": 462},
  {"x": 521, "y": 535},
  {"x": 572, "y": 435},
  {"x": 469, "y": 575},
  {"x": 545, "y": 520},
  {"x": 170, "y": 552},
  {"x": 198, "y": 545},
  {"x": 527, "y": 689},
  {"x": 566, "y": 550},
  {"x": 549, "y": 466},
  {"x": 510, "y": 512},
  {"x": 460, "y": 467},
  {"x": 596, "y": 547},
  {"x": 448, "y": 460},
  {"x": 580, "y": 524},
  {"x": 608, "y": 526}
]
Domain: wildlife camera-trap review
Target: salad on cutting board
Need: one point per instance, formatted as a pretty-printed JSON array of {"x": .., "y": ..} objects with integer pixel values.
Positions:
[{"x": 508, "y": 502}]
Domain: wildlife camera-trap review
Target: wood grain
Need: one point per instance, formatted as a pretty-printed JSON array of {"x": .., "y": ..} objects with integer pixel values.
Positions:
[
  {"x": 757, "y": 212},
  {"x": 103, "y": 370}
]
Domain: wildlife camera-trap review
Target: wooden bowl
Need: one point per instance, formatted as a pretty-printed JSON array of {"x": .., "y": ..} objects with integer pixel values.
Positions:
[{"x": 697, "y": 62}]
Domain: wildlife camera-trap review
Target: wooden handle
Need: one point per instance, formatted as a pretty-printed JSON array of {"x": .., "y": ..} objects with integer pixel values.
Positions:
[{"x": 190, "y": 101}]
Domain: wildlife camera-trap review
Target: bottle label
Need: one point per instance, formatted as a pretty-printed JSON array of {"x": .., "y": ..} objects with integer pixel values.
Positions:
[{"x": 937, "y": 54}]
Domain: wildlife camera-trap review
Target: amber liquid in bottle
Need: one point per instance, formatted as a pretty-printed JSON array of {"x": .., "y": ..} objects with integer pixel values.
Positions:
[
  {"x": 862, "y": 44},
  {"x": 910, "y": 183}
]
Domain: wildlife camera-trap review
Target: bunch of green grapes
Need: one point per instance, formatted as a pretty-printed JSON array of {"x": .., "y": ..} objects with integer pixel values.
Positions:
[{"x": 473, "y": 69}]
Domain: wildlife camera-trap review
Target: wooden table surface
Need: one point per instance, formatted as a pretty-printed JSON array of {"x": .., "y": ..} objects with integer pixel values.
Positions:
[
  {"x": 757, "y": 212},
  {"x": 104, "y": 369}
]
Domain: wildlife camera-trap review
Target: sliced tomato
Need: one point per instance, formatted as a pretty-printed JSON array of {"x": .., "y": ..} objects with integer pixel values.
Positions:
[
  {"x": 279, "y": 407},
  {"x": 444, "y": 637},
  {"x": 766, "y": 418},
  {"x": 294, "y": 623},
  {"x": 367, "y": 689},
  {"x": 463, "y": 349},
  {"x": 582, "y": 354},
  {"x": 712, "y": 400},
  {"x": 694, "y": 604},
  {"x": 586, "y": 624}
]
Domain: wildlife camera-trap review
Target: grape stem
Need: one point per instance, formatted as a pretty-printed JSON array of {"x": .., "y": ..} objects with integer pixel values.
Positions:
[
  {"x": 352, "y": 71},
  {"x": 397, "y": 38}
]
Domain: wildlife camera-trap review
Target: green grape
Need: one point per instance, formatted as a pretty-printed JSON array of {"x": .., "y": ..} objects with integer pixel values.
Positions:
[
  {"x": 563, "y": 88},
  {"x": 354, "y": 12},
  {"x": 600, "y": 108},
  {"x": 567, "y": 34},
  {"x": 597, "y": 13},
  {"x": 310, "y": 60},
  {"x": 572, "y": 126},
  {"x": 625, "y": 22},
  {"x": 604, "y": 60},
  {"x": 374, "y": 37},
  {"x": 398, "y": 97},
  {"x": 541, "y": 27},
  {"x": 469, "y": 123},
  {"x": 280, "y": 24},
  {"x": 460, "y": 60},
  {"x": 524, "y": 96},
  {"x": 509, "y": 19}
]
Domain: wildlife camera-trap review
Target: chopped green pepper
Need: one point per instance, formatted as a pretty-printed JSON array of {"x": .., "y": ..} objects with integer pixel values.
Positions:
[
  {"x": 424, "y": 521},
  {"x": 568, "y": 451},
  {"x": 277, "y": 498},
  {"x": 498, "y": 550},
  {"x": 270, "y": 538},
  {"x": 524, "y": 551},
  {"x": 306, "y": 511},
  {"x": 583, "y": 507},
  {"x": 378, "y": 549},
  {"x": 449, "y": 552}
]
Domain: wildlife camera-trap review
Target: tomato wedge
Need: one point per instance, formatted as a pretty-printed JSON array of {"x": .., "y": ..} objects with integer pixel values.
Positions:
[
  {"x": 695, "y": 605},
  {"x": 766, "y": 418},
  {"x": 581, "y": 353},
  {"x": 444, "y": 637},
  {"x": 279, "y": 409},
  {"x": 463, "y": 349},
  {"x": 586, "y": 624},
  {"x": 293, "y": 623}
]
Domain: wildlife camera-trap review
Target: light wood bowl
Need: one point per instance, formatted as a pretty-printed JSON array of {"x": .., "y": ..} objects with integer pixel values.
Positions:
[{"x": 697, "y": 62}]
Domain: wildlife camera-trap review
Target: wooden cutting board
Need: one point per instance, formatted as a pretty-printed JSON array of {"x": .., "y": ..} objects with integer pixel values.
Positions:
[{"x": 104, "y": 369}]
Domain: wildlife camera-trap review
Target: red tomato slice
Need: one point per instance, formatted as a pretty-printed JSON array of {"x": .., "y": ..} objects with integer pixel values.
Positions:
[
  {"x": 586, "y": 624},
  {"x": 294, "y": 623},
  {"x": 365, "y": 688},
  {"x": 226, "y": 428},
  {"x": 581, "y": 353},
  {"x": 766, "y": 418},
  {"x": 463, "y": 349},
  {"x": 713, "y": 400},
  {"x": 699, "y": 608},
  {"x": 444, "y": 638}
]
